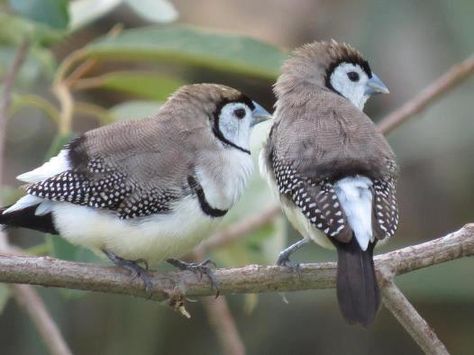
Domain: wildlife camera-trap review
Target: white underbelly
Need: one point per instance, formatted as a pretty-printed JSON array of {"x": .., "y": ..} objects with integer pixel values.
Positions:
[{"x": 152, "y": 238}]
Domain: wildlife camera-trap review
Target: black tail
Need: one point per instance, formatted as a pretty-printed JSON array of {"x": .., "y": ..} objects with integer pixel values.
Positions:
[
  {"x": 26, "y": 218},
  {"x": 357, "y": 290}
]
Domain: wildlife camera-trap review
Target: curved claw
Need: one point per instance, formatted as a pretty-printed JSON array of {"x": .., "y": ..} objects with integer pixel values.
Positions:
[
  {"x": 136, "y": 271},
  {"x": 202, "y": 268},
  {"x": 284, "y": 257},
  {"x": 284, "y": 260}
]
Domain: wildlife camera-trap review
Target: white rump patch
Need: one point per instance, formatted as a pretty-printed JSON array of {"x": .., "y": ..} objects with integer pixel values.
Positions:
[
  {"x": 355, "y": 197},
  {"x": 54, "y": 166}
]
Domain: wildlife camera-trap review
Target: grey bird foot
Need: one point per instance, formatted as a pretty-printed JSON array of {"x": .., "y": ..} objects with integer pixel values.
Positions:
[
  {"x": 202, "y": 268},
  {"x": 135, "y": 269},
  {"x": 284, "y": 260}
]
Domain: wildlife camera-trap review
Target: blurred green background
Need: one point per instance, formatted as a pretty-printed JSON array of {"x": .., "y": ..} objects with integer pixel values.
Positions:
[{"x": 161, "y": 45}]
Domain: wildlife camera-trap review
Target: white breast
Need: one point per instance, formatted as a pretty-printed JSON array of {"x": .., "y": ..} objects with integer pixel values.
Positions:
[
  {"x": 153, "y": 238},
  {"x": 224, "y": 176}
]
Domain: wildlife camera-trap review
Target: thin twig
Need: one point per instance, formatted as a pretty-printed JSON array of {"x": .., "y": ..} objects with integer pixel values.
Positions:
[
  {"x": 441, "y": 86},
  {"x": 29, "y": 300},
  {"x": 80, "y": 71},
  {"x": 410, "y": 319},
  {"x": 52, "y": 272},
  {"x": 221, "y": 321},
  {"x": 223, "y": 324},
  {"x": 64, "y": 96}
]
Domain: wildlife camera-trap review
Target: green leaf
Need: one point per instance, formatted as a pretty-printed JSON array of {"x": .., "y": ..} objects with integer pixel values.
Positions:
[
  {"x": 14, "y": 30},
  {"x": 191, "y": 46},
  {"x": 134, "y": 110},
  {"x": 144, "y": 84},
  {"x": 53, "y": 13},
  {"x": 154, "y": 10}
]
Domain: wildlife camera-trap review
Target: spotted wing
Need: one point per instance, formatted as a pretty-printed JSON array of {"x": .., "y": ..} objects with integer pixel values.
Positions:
[
  {"x": 99, "y": 186},
  {"x": 385, "y": 209},
  {"x": 316, "y": 200}
]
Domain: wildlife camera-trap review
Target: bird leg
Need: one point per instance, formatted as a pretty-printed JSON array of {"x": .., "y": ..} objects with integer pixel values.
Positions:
[
  {"x": 133, "y": 266},
  {"x": 202, "y": 268},
  {"x": 284, "y": 257}
]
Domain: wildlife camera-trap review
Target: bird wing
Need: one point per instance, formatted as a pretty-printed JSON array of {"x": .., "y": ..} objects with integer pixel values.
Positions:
[
  {"x": 326, "y": 139},
  {"x": 316, "y": 200},
  {"x": 385, "y": 208},
  {"x": 134, "y": 169}
]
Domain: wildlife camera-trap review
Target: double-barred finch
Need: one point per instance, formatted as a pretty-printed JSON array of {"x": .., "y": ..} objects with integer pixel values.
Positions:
[
  {"x": 148, "y": 189},
  {"x": 334, "y": 173}
]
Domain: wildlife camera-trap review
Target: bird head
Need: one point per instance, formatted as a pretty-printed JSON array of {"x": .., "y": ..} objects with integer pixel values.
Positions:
[
  {"x": 231, "y": 114},
  {"x": 332, "y": 66}
]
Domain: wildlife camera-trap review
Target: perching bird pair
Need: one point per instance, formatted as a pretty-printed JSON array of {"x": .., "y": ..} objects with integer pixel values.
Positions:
[{"x": 153, "y": 189}]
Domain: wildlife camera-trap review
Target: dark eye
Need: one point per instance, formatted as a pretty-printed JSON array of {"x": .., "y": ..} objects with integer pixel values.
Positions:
[
  {"x": 353, "y": 76},
  {"x": 239, "y": 113}
]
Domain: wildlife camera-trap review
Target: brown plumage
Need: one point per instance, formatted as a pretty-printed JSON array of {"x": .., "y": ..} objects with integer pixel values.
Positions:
[
  {"x": 146, "y": 189},
  {"x": 320, "y": 139}
]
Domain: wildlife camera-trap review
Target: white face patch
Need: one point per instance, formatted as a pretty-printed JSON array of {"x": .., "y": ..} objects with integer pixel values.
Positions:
[
  {"x": 350, "y": 81},
  {"x": 235, "y": 119}
]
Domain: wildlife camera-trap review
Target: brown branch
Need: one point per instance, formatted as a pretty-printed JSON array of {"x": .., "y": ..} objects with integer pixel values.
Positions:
[
  {"x": 441, "y": 86},
  {"x": 222, "y": 321},
  {"x": 52, "y": 272},
  {"x": 410, "y": 319},
  {"x": 29, "y": 300}
]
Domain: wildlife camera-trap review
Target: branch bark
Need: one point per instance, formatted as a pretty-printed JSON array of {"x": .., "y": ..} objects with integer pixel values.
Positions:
[
  {"x": 33, "y": 305},
  {"x": 410, "y": 319},
  {"x": 222, "y": 321},
  {"x": 50, "y": 272},
  {"x": 441, "y": 86}
]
